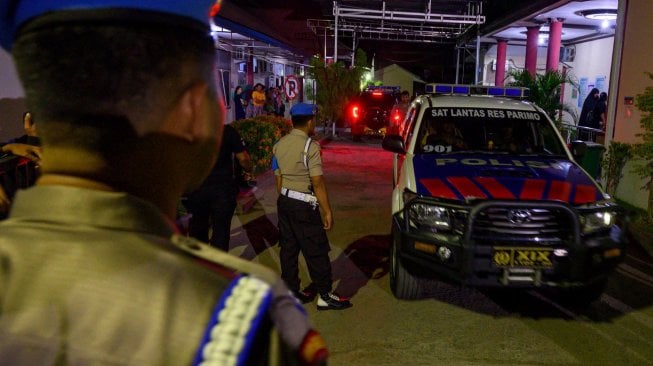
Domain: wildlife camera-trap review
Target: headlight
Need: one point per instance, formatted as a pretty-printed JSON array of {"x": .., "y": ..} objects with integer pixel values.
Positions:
[
  {"x": 428, "y": 217},
  {"x": 597, "y": 220}
]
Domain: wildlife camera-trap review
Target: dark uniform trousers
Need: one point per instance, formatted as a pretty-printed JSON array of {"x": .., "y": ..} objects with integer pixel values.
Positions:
[
  {"x": 301, "y": 229},
  {"x": 215, "y": 203}
]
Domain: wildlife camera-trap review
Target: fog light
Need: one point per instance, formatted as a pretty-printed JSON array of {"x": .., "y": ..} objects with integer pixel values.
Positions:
[
  {"x": 611, "y": 253},
  {"x": 424, "y": 247},
  {"x": 444, "y": 253}
]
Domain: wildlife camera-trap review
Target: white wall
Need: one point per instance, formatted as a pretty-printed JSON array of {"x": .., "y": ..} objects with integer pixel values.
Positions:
[
  {"x": 9, "y": 84},
  {"x": 591, "y": 68},
  {"x": 515, "y": 60},
  {"x": 630, "y": 79},
  {"x": 12, "y": 101}
]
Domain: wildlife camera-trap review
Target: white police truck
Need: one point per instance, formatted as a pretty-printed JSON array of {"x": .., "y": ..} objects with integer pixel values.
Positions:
[{"x": 487, "y": 194}]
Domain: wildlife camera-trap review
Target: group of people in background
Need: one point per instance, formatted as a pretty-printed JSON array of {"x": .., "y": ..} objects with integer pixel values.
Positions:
[
  {"x": 593, "y": 115},
  {"x": 257, "y": 101}
]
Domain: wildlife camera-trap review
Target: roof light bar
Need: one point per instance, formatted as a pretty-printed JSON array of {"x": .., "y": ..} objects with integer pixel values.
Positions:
[
  {"x": 499, "y": 91},
  {"x": 384, "y": 88}
]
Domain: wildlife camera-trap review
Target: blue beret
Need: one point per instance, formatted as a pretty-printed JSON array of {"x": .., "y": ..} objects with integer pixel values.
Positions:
[
  {"x": 302, "y": 109},
  {"x": 14, "y": 13}
]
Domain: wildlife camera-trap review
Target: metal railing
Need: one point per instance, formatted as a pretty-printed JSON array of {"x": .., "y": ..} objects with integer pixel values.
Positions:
[{"x": 571, "y": 132}]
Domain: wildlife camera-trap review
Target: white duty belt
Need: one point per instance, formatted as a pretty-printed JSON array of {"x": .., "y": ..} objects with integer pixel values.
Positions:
[{"x": 301, "y": 196}]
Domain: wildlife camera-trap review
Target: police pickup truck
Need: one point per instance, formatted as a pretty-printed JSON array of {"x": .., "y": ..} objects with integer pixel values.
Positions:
[{"x": 486, "y": 193}]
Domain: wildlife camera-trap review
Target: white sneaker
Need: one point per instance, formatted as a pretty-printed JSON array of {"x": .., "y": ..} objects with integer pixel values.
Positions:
[{"x": 331, "y": 301}]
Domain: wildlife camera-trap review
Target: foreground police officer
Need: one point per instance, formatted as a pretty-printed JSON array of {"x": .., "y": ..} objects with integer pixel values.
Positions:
[
  {"x": 297, "y": 166},
  {"x": 92, "y": 271}
]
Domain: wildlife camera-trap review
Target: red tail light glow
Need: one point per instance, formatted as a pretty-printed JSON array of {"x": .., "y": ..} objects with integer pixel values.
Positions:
[
  {"x": 355, "y": 112},
  {"x": 377, "y": 94}
]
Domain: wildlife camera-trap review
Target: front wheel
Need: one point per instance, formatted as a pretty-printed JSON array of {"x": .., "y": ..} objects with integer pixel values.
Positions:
[{"x": 403, "y": 284}]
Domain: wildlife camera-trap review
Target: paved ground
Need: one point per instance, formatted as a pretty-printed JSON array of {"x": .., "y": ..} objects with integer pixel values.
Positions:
[{"x": 452, "y": 325}]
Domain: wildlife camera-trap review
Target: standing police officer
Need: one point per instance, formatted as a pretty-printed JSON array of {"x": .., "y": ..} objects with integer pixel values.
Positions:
[
  {"x": 92, "y": 268},
  {"x": 302, "y": 190}
]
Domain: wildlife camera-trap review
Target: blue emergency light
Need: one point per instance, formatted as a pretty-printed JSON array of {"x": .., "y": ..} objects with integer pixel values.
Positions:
[
  {"x": 384, "y": 88},
  {"x": 499, "y": 91}
]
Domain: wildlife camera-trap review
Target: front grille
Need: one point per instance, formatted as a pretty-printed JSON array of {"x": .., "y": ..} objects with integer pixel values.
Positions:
[{"x": 498, "y": 225}]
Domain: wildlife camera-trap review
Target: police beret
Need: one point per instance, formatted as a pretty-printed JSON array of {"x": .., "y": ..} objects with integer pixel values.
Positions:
[
  {"x": 303, "y": 109},
  {"x": 14, "y": 13}
]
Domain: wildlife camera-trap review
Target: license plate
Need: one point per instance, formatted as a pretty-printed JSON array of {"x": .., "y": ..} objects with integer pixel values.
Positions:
[{"x": 522, "y": 257}]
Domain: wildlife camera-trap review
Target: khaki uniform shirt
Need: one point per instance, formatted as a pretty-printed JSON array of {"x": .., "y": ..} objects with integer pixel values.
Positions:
[
  {"x": 98, "y": 278},
  {"x": 289, "y": 152}
]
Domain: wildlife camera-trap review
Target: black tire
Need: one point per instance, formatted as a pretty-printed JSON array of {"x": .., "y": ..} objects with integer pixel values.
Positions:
[
  {"x": 403, "y": 284},
  {"x": 357, "y": 138},
  {"x": 583, "y": 295}
]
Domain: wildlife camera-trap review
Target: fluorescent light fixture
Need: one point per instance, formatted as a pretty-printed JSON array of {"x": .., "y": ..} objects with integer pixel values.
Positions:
[{"x": 598, "y": 14}]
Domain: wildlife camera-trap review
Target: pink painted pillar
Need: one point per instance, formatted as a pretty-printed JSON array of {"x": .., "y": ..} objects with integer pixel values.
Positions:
[
  {"x": 250, "y": 70},
  {"x": 553, "y": 51},
  {"x": 532, "y": 34},
  {"x": 502, "y": 45}
]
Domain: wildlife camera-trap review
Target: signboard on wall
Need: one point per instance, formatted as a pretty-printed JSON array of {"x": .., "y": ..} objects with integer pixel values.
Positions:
[
  {"x": 600, "y": 83},
  {"x": 291, "y": 87}
]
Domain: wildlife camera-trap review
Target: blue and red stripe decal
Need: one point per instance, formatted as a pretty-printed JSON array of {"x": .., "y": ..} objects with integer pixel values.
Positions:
[{"x": 462, "y": 188}]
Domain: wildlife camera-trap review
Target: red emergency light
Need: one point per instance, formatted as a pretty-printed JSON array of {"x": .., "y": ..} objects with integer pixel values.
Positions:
[{"x": 396, "y": 118}]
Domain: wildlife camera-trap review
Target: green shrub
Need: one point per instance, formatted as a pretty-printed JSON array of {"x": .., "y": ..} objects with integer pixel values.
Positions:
[
  {"x": 644, "y": 150},
  {"x": 260, "y": 134},
  {"x": 613, "y": 164}
]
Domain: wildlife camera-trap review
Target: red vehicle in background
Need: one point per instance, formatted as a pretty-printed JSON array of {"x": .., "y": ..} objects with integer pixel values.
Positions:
[{"x": 370, "y": 113}]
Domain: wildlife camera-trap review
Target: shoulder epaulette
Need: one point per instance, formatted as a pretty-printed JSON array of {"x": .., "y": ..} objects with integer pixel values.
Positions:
[
  {"x": 201, "y": 250},
  {"x": 235, "y": 323}
]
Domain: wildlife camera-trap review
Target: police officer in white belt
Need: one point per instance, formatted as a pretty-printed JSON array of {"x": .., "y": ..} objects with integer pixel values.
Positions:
[{"x": 297, "y": 165}]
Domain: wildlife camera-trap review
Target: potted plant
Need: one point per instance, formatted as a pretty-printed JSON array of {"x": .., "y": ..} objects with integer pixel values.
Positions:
[{"x": 545, "y": 90}]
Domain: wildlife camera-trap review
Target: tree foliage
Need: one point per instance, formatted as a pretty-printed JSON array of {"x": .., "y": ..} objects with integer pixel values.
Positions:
[
  {"x": 336, "y": 84},
  {"x": 644, "y": 150},
  {"x": 545, "y": 90}
]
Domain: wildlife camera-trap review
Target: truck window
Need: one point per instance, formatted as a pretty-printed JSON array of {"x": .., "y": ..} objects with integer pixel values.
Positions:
[{"x": 446, "y": 130}]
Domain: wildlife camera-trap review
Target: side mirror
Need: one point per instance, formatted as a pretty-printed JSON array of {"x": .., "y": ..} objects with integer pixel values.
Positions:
[
  {"x": 394, "y": 143},
  {"x": 578, "y": 149}
]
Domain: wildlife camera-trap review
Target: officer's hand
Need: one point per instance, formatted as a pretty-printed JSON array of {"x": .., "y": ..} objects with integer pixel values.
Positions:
[
  {"x": 4, "y": 201},
  {"x": 24, "y": 150},
  {"x": 327, "y": 220}
]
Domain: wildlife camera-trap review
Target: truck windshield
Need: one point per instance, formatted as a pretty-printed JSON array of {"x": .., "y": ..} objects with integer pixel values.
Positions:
[{"x": 460, "y": 129}]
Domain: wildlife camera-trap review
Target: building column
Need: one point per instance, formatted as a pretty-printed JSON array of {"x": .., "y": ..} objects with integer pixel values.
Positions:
[
  {"x": 500, "y": 74},
  {"x": 532, "y": 34},
  {"x": 250, "y": 69},
  {"x": 553, "y": 50}
]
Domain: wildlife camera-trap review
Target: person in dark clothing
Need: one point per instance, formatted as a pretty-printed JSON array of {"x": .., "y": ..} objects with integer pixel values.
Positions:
[
  {"x": 600, "y": 117},
  {"x": 214, "y": 203},
  {"x": 584, "y": 120},
  {"x": 239, "y": 103},
  {"x": 599, "y": 112}
]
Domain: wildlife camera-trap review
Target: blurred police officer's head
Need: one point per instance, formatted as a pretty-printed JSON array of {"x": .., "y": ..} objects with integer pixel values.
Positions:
[
  {"x": 301, "y": 114},
  {"x": 118, "y": 81}
]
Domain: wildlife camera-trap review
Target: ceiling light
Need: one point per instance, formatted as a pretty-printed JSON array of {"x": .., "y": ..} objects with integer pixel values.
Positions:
[{"x": 598, "y": 14}]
